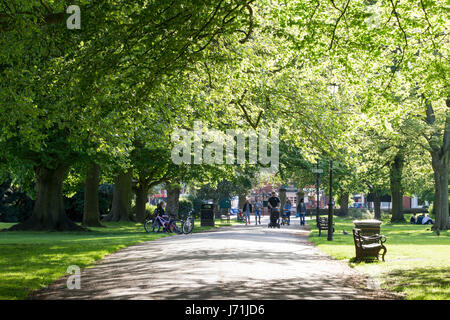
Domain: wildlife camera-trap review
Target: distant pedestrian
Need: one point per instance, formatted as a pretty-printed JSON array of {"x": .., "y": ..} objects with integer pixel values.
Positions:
[
  {"x": 287, "y": 211},
  {"x": 413, "y": 219},
  {"x": 273, "y": 201},
  {"x": 247, "y": 211},
  {"x": 258, "y": 208},
  {"x": 301, "y": 209}
]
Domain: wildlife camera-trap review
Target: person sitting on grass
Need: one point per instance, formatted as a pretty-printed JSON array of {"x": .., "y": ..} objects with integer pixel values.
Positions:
[
  {"x": 413, "y": 219},
  {"x": 427, "y": 220},
  {"x": 420, "y": 218}
]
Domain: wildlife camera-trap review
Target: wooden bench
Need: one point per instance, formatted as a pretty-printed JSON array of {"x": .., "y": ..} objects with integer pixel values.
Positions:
[
  {"x": 368, "y": 246},
  {"x": 322, "y": 224}
]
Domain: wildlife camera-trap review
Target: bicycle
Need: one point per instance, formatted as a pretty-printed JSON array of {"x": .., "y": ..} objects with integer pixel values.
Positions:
[
  {"x": 188, "y": 223},
  {"x": 168, "y": 225}
]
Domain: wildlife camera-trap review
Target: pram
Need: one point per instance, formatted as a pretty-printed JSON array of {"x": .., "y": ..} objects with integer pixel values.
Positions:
[
  {"x": 240, "y": 216},
  {"x": 274, "y": 218}
]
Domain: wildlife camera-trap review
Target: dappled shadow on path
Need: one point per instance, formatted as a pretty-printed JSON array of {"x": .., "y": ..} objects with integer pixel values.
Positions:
[{"x": 238, "y": 263}]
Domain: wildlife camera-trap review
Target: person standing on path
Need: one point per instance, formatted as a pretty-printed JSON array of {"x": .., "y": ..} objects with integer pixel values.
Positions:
[
  {"x": 273, "y": 202},
  {"x": 301, "y": 209},
  {"x": 258, "y": 208},
  {"x": 247, "y": 211},
  {"x": 287, "y": 211}
]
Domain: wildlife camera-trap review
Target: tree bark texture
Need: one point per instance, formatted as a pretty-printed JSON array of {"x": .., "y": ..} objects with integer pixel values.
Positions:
[
  {"x": 48, "y": 211},
  {"x": 377, "y": 204},
  {"x": 242, "y": 198},
  {"x": 121, "y": 206},
  {"x": 173, "y": 199},
  {"x": 91, "y": 214},
  {"x": 282, "y": 193},
  {"x": 343, "y": 203},
  {"x": 396, "y": 188},
  {"x": 141, "y": 201},
  {"x": 440, "y": 161},
  {"x": 441, "y": 171}
]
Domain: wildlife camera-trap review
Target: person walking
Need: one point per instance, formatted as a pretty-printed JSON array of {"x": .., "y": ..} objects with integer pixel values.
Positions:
[
  {"x": 258, "y": 208},
  {"x": 273, "y": 201},
  {"x": 287, "y": 211},
  {"x": 247, "y": 211},
  {"x": 301, "y": 210}
]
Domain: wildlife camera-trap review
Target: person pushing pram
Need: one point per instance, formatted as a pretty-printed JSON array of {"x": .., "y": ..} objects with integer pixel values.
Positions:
[{"x": 273, "y": 204}]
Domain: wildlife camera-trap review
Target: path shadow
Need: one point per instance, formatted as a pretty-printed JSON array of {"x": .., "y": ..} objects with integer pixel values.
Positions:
[{"x": 233, "y": 264}]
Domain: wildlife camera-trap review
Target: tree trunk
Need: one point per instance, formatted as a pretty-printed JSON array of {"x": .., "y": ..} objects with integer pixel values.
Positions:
[
  {"x": 440, "y": 161},
  {"x": 173, "y": 199},
  {"x": 90, "y": 211},
  {"x": 242, "y": 198},
  {"x": 396, "y": 188},
  {"x": 441, "y": 172},
  {"x": 300, "y": 195},
  {"x": 282, "y": 197},
  {"x": 343, "y": 203},
  {"x": 141, "y": 201},
  {"x": 377, "y": 205},
  {"x": 121, "y": 206},
  {"x": 216, "y": 209},
  {"x": 48, "y": 212}
]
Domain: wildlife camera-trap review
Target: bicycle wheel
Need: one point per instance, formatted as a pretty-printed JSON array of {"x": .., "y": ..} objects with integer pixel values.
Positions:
[
  {"x": 148, "y": 226},
  {"x": 188, "y": 225},
  {"x": 176, "y": 226}
]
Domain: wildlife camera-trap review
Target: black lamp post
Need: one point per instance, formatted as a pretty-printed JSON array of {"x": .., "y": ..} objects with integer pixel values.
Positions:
[
  {"x": 330, "y": 205},
  {"x": 317, "y": 191},
  {"x": 317, "y": 171},
  {"x": 333, "y": 89}
]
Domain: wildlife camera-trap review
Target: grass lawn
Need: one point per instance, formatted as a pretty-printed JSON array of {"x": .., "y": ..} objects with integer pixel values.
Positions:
[
  {"x": 417, "y": 261},
  {"x": 32, "y": 260}
]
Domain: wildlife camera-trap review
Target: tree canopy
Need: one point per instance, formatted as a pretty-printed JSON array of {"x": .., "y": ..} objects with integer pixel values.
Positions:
[{"x": 363, "y": 83}]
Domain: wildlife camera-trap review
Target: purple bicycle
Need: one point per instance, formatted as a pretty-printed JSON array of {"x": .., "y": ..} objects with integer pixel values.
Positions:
[{"x": 165, "y": 222}]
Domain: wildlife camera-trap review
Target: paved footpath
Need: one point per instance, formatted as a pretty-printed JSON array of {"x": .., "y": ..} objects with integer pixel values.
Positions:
[{"x": 239, "y": 262}]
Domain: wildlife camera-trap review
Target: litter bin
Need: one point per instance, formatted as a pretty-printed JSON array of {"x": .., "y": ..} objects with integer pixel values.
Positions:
[
  {"x": 368, "y": 227},
  {"x": 207, "y": 215}
]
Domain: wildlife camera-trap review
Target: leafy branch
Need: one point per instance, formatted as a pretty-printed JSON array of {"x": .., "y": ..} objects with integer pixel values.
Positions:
[
  {"x": 337, "y": 22},
  {"x": 254, "y": 125}
]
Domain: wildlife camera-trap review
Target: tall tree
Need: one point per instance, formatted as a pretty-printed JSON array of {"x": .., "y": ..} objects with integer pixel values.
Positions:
[
  {"x": 48, "y": 78},
  {"x": 91, "y": 214}
]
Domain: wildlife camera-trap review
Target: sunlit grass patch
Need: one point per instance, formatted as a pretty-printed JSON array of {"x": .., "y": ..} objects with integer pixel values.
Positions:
[
  {"x": 31, "y": 260},
  {"x": 417, "y": 261}
]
